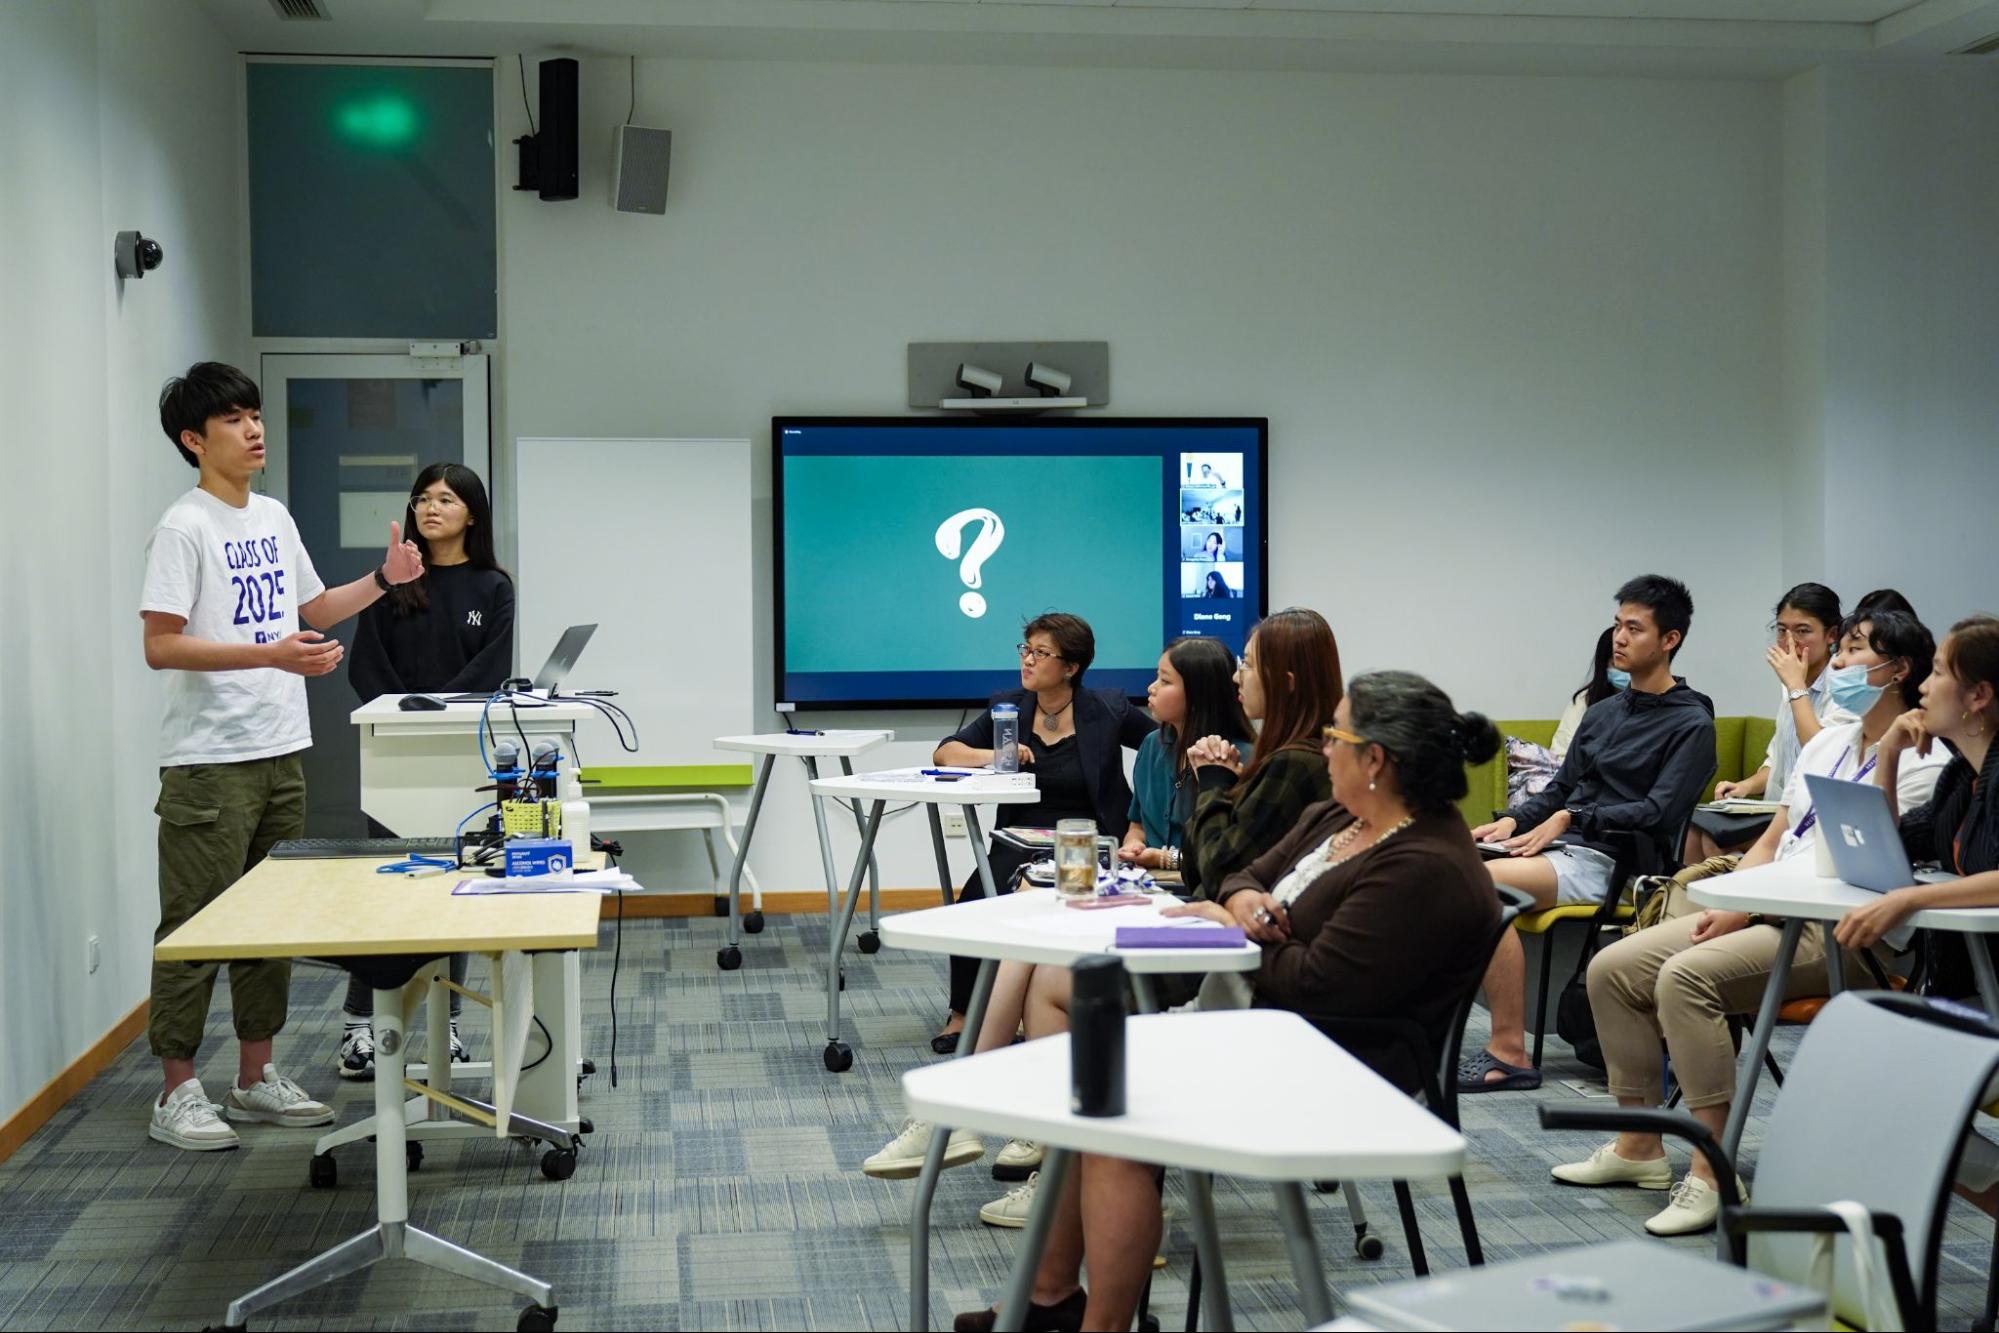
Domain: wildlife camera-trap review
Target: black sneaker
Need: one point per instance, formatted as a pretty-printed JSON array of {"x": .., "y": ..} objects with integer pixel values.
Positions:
[{"x": 357, "y": 1054}]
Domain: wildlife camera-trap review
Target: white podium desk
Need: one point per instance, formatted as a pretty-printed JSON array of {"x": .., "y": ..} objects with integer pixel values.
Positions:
[{"x": 420, "y": 770}]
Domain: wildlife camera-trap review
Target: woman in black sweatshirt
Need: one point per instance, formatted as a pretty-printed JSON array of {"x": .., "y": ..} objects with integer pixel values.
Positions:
[{"x": 450, "y": 631}]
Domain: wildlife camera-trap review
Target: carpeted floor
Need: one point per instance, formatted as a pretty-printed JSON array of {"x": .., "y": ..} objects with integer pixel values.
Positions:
[{"x": 721, "y": 1189}]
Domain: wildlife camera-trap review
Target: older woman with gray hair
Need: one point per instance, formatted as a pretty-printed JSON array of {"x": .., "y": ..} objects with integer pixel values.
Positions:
[{"x": 1380, "y": 906}]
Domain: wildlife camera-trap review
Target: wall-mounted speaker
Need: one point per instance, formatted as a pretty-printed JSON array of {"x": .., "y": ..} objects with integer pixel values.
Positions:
[
  {"x": 640, "y": 159},
  {"x": 555, "y": 148}
]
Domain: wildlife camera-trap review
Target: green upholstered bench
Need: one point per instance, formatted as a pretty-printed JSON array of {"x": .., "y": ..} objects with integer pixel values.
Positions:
[
  {"x": 647, "y": 798},
  {"x": 1739, "y": 745}
]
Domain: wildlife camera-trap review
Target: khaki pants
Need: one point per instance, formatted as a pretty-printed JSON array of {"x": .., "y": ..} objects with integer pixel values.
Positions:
[
  {"x": 217, "y": 821},
  {"x": 1657, "y": 985}
]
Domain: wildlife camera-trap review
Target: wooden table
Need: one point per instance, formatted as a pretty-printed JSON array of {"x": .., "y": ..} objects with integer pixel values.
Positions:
[{"x": 344, "y": 909}]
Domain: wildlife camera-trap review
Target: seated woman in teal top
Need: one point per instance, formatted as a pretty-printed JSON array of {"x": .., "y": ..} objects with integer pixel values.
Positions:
[{"x": 1194, "y": 695}]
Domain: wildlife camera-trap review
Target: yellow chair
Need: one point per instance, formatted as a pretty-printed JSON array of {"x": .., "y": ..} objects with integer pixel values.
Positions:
[{"x": 1594, "y": 918}]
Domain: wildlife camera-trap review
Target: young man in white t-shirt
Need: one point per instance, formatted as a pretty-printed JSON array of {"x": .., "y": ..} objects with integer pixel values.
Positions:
[{"x": 227, "y": 582}]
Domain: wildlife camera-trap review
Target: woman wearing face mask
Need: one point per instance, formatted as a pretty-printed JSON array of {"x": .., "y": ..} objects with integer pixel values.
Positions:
[
  {"x": 1679, "y": 981},
  {"x": 1530, "y": 767},
  {"x": 1958, "y": 827},
  {"x": 1805, "y": 626}
]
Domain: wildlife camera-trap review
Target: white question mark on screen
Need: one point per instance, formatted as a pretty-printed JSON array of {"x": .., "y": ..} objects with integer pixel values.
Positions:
[{"x": 950, "y": 542}]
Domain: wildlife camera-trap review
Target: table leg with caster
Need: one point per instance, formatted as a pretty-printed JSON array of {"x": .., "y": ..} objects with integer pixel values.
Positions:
[
  {"x": 839, "y": 1058},
  {"x": 730, "y": 956},
  {"x": 392, "y": 1237}
]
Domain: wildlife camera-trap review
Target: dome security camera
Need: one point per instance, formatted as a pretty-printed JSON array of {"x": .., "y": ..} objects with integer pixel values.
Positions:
[{"x": 135, "y": 255}]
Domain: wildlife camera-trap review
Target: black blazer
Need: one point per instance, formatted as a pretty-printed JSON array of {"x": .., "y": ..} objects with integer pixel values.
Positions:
[{"x": 1106, "y": 725}]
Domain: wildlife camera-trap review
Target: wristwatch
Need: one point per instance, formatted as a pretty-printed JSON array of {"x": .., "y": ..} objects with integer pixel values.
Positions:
[
  {"x": 381, "y": 582},
  {"x": 1794, "y": 695}
]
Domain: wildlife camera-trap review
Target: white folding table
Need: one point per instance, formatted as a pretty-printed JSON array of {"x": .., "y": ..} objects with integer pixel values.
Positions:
[
  {"x": 1031, "y": 926},
  {"x": 809, "y": 749},
  {"x": 914, "y": 786},
  {"x": 1185, "y": 1074},
  {"x": 1793, "y": 890}
]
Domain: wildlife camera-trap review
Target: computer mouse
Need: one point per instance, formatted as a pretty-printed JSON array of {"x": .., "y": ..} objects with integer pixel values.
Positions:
[{"x": 420, "y": 703}]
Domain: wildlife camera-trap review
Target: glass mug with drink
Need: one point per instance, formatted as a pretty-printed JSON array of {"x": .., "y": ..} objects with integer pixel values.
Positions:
[{"x": 1076, "y": 858}]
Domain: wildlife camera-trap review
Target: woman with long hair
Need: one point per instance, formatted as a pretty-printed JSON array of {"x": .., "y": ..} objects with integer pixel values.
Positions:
[
  {"x": 1192, "y": 695},
  {"x": 1289, "y": 680},
  {"x": 450, "y": 631}
]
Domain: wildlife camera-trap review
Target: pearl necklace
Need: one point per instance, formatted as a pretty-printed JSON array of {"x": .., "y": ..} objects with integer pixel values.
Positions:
[{"x": 1351, "y": 834}]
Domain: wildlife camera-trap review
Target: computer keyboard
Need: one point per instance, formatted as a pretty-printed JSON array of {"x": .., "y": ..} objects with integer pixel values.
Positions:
[{"x": 384, "y": 849}]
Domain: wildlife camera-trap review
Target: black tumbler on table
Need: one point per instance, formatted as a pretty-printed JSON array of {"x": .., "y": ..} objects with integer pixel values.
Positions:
[{"x": 1096, "y": 1037}]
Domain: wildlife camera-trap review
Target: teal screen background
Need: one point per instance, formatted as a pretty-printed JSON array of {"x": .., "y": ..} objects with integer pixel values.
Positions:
[{"x": 867, "y": 590}]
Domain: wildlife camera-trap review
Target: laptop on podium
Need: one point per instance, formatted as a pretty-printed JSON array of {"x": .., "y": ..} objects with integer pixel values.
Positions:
[{"x": 558, "y": 666}]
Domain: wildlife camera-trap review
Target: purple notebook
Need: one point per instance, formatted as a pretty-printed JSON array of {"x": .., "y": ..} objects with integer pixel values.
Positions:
[{"x": 1180, "y": 937}]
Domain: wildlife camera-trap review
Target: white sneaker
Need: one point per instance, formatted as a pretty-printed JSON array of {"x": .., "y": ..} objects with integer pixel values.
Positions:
[
  {"x": 1011, "y": 1209},
  {"x": 187, "y": 1119},
  {"x": 1605, "y": 1167},
  {"x": 459, "y": 1054},
  {"x": 275, "y": 1100},
  {"x": 1694, "y": 1206},
  {"x": 903, "y": 1157},
  {"x": 357, "y": 1054},
  {"x": 1017, "y": 1160}
]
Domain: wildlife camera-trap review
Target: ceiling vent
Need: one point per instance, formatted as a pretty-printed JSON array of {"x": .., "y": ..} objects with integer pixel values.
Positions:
[
  {"x": 1984, "y": 47},
  {"x": 293, "y": 10}
]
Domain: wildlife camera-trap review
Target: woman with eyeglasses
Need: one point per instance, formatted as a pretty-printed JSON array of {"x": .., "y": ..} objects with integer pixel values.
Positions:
[
  {"x": 1382, "y": 909},
  {"x": 449, "y": 632},
  {"x": 1804, "y": 633},
  {"x": 1072, "y": 740}
]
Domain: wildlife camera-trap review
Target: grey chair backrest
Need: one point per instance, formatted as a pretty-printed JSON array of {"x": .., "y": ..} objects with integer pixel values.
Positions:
[{"x": 1874, "y": 1109}]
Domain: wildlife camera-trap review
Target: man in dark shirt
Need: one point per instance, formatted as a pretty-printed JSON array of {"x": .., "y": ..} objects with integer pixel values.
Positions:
[{"x": 1638, "y": 764}]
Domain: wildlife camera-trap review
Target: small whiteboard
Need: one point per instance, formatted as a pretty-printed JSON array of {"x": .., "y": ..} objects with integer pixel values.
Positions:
[{"x": 649, "y": 540}]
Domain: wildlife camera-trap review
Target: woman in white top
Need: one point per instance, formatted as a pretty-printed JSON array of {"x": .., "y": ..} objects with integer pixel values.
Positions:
[
  {"x": 1805, "y": 629},
  {"x": 1679, "y": 981}
]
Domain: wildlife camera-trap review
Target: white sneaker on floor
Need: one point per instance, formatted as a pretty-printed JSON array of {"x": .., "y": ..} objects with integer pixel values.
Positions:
[
  {"x": 357, "y": 1054},
  {"x": 1017, "y": 1160},
  {"x": 902, "y": 1158},
  {"x": 1605, "y": 1167},
  {"x": 1694, "y": 1206},
  {"x": 459, "y": 1054},
  {"x": 187, "y": 1119},
  {"x": 275, "y": 1100},
  {"x": 1011, "y": 1208}
]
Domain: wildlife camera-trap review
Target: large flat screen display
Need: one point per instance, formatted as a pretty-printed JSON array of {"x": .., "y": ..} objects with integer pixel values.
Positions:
[{"x": 912, "y": 549}]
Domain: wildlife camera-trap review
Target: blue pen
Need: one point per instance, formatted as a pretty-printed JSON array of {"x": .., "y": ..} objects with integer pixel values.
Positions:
[
  {"x": 803, "y": 731},
  {"x": 947, "y": 772}
]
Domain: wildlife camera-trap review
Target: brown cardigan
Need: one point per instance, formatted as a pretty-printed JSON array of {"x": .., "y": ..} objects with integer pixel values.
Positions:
[{"x": 1400, "y": 930}]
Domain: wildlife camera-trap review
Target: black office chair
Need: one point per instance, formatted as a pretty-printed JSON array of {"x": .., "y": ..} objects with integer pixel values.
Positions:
[{"x": 1437, "y": 1085}]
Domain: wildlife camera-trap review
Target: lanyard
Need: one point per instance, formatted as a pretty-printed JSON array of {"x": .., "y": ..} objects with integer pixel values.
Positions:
[{"x": 1812, "y": 815}]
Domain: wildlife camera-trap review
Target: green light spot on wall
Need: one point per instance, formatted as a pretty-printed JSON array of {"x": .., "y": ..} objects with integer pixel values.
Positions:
[{"x": 382, "y": 120}]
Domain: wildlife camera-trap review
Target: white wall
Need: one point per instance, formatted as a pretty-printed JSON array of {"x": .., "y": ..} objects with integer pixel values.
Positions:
[
  {"x": 1517, "y": 338},
  {"x": 134, "y": 109},
  {"x": 1910, "y": 423}
]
